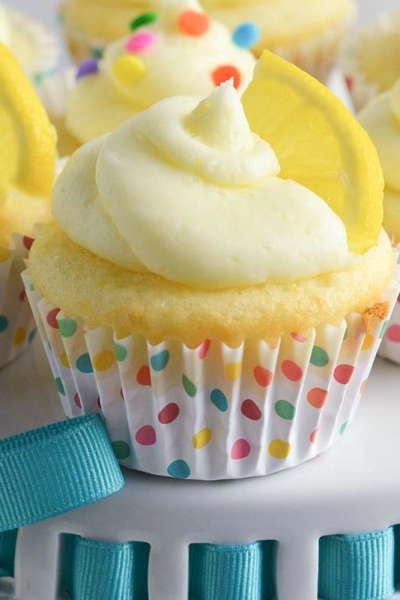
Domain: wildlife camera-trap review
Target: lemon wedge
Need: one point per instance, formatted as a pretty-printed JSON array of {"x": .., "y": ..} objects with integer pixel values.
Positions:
[
  {"x": 319, "y": 144},
  {"x": 28, "y": 140}
]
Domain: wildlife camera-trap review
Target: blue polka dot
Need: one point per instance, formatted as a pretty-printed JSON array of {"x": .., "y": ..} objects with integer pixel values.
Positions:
[
  {"x": 159, "y": 361},
  {"x": 246, "y": 35},
  {"x": 31, "y": 336},
  {"x": 219, "y": 400},
  {"x": 84, "y": 364},
  {"x": 179, "y": 469},
  {"x": 3, "y": 323}
]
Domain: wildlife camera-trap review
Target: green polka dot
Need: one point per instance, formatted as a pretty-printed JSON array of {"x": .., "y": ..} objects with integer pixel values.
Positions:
[
  {"x": 179, "y": 469},
  {"x": 383, "y": 330},
  {"x": 3, "y": 323},
  {"x": 319, "y": 358},
  {"x": 97, "y": 53},
  {"x": 285, "y": 410},
  {"x": 346, "y": 333},
  {"x": 120, "y": 352},
  {"x": 343, "y": 428},
  {"x": 67, "y": 327},
  {"x": 59, "y": 386},
  {"x": 189, "y": 386},
  {"x": 121, "y": 450},
  {"x": 31, "y": 287}
]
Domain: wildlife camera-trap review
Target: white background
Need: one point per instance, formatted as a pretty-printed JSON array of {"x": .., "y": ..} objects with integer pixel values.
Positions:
[{"x": 46, "y": 10}]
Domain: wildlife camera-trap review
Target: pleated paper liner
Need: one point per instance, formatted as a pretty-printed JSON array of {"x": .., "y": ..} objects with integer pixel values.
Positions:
[{"x": 213, "y": 412}]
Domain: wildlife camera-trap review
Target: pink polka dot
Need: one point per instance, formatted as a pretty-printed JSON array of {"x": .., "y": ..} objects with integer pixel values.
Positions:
[
  {"x": 317, "y": 397},
  {"x": 169, "y": 413},
  {"x": 27, "y": 241},
  {"x": 291, "y": 370},
  {"x": 263, "y": 376},
  {"x": 52, "y": 318},
  {"x": 362, "y": 386},
  {"x": 298, "y": 337},
  {"x": 140, "y": 41},
  {"x": 77, "y": 401},
  {"x": 343, "y": 373},
  {"x": 240, "y": 449},
  {"x": 146, "y": 436},
  {"x": 250, "y": 410},
  {"x": 393, "y": 333},
  {"x": 313, "y": 436},
  {"x": 204, "y": 348},
  {"x": 143, "y": 376}
]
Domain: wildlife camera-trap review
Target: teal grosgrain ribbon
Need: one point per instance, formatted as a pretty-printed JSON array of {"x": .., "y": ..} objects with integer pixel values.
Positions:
[{"x": 52, "y": 470}]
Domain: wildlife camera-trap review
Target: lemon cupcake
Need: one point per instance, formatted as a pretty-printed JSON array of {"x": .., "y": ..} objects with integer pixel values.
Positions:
[
  {"x": 32, "y": 43},
  {"x": 26, "y": 177},
  {"x": 218, "y": 294},
  {"x": 370, "y": 63},
  {"x": 309, "y": 34},
  {"x": 381, "y": 118}
]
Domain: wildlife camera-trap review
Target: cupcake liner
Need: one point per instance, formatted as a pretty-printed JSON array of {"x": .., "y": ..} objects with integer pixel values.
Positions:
[
  {"x": 17, "y": 325},
  {"x": 213, "y": 412},
  {"x": 34, "y": 45},
  {"x": 390, "y": 347}
]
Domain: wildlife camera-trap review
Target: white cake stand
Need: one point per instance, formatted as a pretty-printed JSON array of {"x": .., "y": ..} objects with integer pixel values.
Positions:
[{"x": 352, "y": 488}]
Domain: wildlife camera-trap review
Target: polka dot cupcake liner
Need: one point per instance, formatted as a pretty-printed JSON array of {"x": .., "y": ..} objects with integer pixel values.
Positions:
[
  {"x": 390, "y": 347},
  {"x": 17, "y": 325},
  {"x": 212, "y": 412}
]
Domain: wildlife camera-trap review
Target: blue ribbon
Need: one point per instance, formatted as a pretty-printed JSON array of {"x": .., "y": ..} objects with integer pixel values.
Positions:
[{"x": 52, "y": 470}]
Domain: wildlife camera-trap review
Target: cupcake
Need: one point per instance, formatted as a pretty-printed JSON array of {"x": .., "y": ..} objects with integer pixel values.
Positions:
[
  {"x": 26, "y": 178},
  {"x": 218, "y": 294},
  {"x": 32, "y": 43},
  {"x": 381, "y": 118},
  {"x": 309, "y": 34},
  {"x": 370, "y": 63},
  {"x": 141, "y": 69}
]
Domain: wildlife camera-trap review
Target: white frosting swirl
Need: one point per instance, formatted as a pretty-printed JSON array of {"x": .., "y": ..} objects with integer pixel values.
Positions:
[{"x": 187, "y": 191}]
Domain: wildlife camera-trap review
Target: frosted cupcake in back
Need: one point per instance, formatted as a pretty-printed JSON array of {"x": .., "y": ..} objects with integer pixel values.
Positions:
[{"x": 224, "y": 313}]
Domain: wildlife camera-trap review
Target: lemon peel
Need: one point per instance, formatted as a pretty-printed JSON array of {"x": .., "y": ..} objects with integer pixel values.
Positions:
[
  {"x": 28, "y": 140},
  {"x": 319, "y": 144}
]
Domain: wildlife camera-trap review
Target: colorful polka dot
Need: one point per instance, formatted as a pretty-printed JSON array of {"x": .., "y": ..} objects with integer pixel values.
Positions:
[
  {"x": 246, "y": 35},
  {"x": 314, "y": 435},
  {"x": 298, "y": 337},
  {"x": 121, "y": 450},
  {"x": 19, "y": 336},
  {"x": 343, "y": 428},
  {"x": 250, "y": 410},
  {"x": 90, "y": 66},
  {"x": 143, "y": 376},
  {"x": 32, "y": 335},
  {"x": 159, "y": 361},
  {"x": 144, "y": 19},
  {"x": 204, "y": 348},
  {"x": 129, "y": 69},
  {"x": 146, "y": 436},
  {"x": 233, "y": 370},
  {"x": 22, "y": 296},
  {"x": 77, "y": 401},
  {"x": 168, "y": 414},
  {"x": 362, "y": 386},
  {"x": 263, "y": 376},
  {"x": 317, "y": 397},
  {"x": 319, "y": 357},
  {"x": 67, "y": 327},
  {"x": 120, "y": 352},
  {"x": 3, "y": 323},
  {"x": 140, "y": 41},
  {"x": 27, "y": 242},
  {"x": 224, "y": 73},
  {"x": 368, "y": 342},
  {"x": 193, "y": 23},
  {"x": 59, "y": 386},
  {"x": 4, "y": 255},
  {"x": 202, "y": 438},
  {"x": 279, "y": 449},
  {"x": 393, "y": 333},
  {"x": 97, "y": 53},
  {"x": 240, "y": 449},
  {"x": 285, "y": 410},
  {"x": 189, "y": 386},
  {"x": 291, "y": 370},
  {"x": 52, "y": 318},
  {"x": 219, "y": 400},
  {"x": 343, "y": 373},
  {"x": 179, "y": 469},
  {"x": 349, "y": 82},
  {"x": 383, "y": 329},
  {"x": 64, "y": 360},
  {"x": 104, "y": 360},
  {"x": 84, "y": 364}
]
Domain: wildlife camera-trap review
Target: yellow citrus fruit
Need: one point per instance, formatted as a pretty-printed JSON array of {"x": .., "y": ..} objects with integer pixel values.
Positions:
[
  {"x": 319, "y": 144},
  {"x": 27, "y": 138}
]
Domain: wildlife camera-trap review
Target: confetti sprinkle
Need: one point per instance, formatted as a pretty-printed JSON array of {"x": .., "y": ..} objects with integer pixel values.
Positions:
[
  {"x": 87, "y": 67},
  {"x": 193, "y": 23},
  {"x": 143, "y": 19},
  {"x": 140, "y": 41},
  {"x": 224, "y": 73},
  {"x": 129, "y": 69}
]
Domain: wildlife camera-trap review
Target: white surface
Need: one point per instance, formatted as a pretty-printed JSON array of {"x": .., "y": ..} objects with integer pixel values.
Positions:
[{"x": 352, "y": 488}]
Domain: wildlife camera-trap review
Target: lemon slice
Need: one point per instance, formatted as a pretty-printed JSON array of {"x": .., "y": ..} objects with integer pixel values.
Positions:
[
  {"x": 28, "y": 140},
  {"x": 318, "y": 144}
]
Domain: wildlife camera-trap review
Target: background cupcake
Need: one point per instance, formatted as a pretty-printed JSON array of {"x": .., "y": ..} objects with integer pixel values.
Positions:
[
  {"x": 211, "y": 351},
  {"x": 28, "y": 167}
]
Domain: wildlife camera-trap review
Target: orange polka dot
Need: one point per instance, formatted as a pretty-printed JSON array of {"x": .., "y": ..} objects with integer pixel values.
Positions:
[
  {"x": 313, "y": 436},
  {"x": 103, "y": 360},
  {"x": 362, "y": 386},
  {"x": 19, "y": 336},
  {"x": 193, "y": 23},
  {"x": 317, "y": 397},
  {"x": 263, "y": 376},
  {"x": 291, "y": 370}
]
